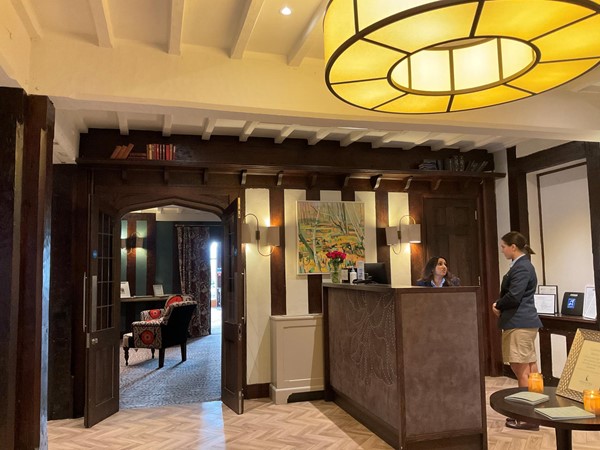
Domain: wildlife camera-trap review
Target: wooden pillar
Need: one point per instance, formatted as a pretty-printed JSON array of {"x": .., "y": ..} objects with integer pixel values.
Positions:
[
  {"x": 26, "y": 134},
  {"x": 592, "y": 156},
  {"x": 517, "y": 194}
]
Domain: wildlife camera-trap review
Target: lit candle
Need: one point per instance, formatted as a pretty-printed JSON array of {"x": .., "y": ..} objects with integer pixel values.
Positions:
[
  {"x": 535, "y": 383},
  {"x": 591, "y": 401}
]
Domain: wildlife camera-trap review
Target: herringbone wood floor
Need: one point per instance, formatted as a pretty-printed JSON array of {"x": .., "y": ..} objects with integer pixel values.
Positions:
[{"x": 305, "y": 425}]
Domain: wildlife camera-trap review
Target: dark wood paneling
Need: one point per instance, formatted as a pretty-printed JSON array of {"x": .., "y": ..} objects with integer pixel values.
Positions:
[
  {"x": 278, "y": 290},
  {"x": 62, "y": 290},
  {"x": 592, "y": 154},
  {"x": 517, "y": 195},
  {"x": 381, "y": 223},
  {"x": 12, "y": 115},
  {"x": 490, "y": 284},
  {"x": 315, "y": 282},
  {"x": 260, "y": 390},
  {"x": 552, "y": 157},
  {"x": 292, "y": 154},
  {"x": 32, "y": 364}
]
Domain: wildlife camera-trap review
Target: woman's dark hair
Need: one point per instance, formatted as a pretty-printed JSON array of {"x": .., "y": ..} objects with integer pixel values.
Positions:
[
  {"x": 516, "y": 238},
  {"x": 427, "y": 276}
]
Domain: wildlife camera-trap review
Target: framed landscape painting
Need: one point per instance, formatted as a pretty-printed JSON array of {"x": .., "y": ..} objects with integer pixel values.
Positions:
[{"x": 328, "y": 226}]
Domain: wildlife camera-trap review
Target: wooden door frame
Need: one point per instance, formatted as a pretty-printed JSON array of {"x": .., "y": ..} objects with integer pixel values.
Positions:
[
  {"x": 210, "y": 202},
  {"x": 485, "y": 201}
]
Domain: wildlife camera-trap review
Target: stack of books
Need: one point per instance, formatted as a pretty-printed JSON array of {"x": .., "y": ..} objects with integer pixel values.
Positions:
[{"x": 565, "y": 413}]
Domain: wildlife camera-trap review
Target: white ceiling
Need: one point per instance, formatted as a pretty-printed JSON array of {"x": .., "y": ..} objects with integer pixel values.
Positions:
[{"x": 238, "y": 68}]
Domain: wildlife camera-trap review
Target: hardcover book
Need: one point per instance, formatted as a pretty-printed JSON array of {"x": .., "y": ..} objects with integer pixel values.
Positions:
[
  {"x": 529, "y": 398},
  {"x": 565, "y": 413}
]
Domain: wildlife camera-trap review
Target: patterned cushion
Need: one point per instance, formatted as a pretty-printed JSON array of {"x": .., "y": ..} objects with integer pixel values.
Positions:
[
  {"x": 147, "y": 334},
  {"x": 173, "y": 299},
  {"x": 155, "y": 313},
  {"x": 151, "y": 314}
]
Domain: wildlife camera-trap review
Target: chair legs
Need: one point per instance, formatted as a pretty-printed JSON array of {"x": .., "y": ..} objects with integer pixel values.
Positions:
[
  {"x": 183, "y": 351},
  {"x": 126, "y": 351},
  {"x": 161, "y": 357}
]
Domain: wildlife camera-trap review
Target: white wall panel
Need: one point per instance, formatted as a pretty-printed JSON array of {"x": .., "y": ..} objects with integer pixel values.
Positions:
[
  {"x": 296, "y": 286},
  {"x": 258, "y": 293},
  {"x": 399, "y": 263}
]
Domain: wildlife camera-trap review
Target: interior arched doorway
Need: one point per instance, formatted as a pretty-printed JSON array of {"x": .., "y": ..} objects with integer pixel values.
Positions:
[
  {"x": 171, "y": 250},
  {"x": 102, "y": 298}
]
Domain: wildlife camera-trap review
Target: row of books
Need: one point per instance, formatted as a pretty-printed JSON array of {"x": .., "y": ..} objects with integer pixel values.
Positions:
[
  {"x": 455, "y": 163},
  {"x": 165, "y": 152}
]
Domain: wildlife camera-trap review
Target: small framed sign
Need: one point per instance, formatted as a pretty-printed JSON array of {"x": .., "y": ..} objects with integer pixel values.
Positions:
[
  {"x": 548, "y": 289},
  {"x": 589, "y": 303},
  {"x": 157, "y": 289},
  {"x": 125, "y": 289},
  {"x": 545, "y": 303},
  {"x": 581, "y": 370}
]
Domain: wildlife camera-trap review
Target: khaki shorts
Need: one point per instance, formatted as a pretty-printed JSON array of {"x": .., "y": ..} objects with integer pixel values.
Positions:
[{"x": 518, "y": 345}]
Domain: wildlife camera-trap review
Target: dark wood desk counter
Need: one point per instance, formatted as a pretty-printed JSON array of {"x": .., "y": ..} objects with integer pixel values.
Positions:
[
  {"x": 408, "y": 363},
  {"x": 131, "y": 308},
  {"x": 527, "y": 413}
]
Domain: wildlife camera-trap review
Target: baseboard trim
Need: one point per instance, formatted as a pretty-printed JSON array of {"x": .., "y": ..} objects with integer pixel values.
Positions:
[{"x": 260, "y": 390}]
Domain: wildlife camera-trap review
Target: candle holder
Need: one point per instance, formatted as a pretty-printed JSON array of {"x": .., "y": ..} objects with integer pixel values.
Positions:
[
  {"x": 535, "y": 383},
  {"x": 591, "y": 401}
]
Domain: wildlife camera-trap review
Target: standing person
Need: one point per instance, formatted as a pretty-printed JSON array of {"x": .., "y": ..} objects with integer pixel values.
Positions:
[
  {"x": 517, "y": 316},
  {"x": 436, "y": 274}
]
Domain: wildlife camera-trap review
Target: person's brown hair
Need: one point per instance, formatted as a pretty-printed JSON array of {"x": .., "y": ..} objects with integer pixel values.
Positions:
[
  {"x": 427, "y": 276},
  {"x": 516, "y": 238}
]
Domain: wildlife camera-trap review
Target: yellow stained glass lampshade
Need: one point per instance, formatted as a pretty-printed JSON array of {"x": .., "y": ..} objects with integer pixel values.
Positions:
[{"x": 420, "y": 56}]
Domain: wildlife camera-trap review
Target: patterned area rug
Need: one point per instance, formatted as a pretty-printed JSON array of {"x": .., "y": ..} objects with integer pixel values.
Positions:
[{"x": 143, "y": 385}]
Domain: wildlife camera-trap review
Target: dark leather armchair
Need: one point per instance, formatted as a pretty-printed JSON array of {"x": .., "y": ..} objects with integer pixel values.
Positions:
[{"x": 170, "y": 329}]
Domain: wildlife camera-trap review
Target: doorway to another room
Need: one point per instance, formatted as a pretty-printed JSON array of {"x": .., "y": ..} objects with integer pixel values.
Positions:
[{"x": 172, "y": 250}]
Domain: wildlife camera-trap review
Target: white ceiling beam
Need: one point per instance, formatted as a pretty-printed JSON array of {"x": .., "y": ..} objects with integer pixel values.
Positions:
[
  {"x": 353, "y": 137},
  {"x": 247, "y": 23},
  {"x": 479, "y": 143},
  {"x": 29, "y": 18},
  {"x": 167, "y": 125},
  {"x": 319, "y": 136},
  {"x": 284, "y": 133},
  {"x": 176, "y": 27},
  {"x": 308, "y": 37},
  {"x": 209, "y": 127},
  {"x": 415, "y": 142},
  {"x": 447, "y": 142},
  {"x": 104, "y": 29},
  {"x": 385, "y": 139},
  {"x": 247, "y": 130},
  {"x": 123, "y": 125}
]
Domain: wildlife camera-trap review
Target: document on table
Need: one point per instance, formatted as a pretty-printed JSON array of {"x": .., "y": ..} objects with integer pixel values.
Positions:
[
  {"x": 545, "y": 303},
  {"x": 589, "y": 303}
]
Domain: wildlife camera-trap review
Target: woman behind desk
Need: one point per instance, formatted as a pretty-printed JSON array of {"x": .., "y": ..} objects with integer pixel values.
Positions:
[{"x": 436, "y": 274}]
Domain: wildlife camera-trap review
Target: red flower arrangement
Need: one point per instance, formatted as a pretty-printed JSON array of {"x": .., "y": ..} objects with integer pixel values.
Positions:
[{"x": 336, "y": 257}]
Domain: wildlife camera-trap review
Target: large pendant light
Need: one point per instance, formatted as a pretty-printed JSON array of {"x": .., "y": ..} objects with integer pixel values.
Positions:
[{"x": 418, "y": 56}]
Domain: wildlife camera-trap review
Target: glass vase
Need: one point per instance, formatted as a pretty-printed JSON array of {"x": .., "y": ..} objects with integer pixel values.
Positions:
[{"x": 336, "y": 274}]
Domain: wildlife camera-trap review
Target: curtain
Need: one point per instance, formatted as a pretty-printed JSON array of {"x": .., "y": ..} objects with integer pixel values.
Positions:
[{"x": 194, "y": 271}]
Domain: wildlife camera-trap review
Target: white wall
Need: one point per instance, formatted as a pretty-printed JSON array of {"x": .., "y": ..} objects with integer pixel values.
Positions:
[{"x": 258, "y": 293}]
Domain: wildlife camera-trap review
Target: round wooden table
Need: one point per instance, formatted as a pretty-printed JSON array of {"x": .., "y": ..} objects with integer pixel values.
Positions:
[{"x": 526, "y": 413}]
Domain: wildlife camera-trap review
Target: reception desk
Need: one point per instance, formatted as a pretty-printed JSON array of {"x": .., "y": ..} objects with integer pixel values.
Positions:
[{"x": 407, "y": 363}]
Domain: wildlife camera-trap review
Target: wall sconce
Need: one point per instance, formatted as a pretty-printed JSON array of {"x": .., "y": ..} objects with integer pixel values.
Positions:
[
  {"x": 405, "y": 233},
  {"x": 250, "y": 235},
  {"x": 132, "y": 242}
]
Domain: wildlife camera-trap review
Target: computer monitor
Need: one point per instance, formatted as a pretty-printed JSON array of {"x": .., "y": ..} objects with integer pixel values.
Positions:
[{"x": 376, "y": 272}]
